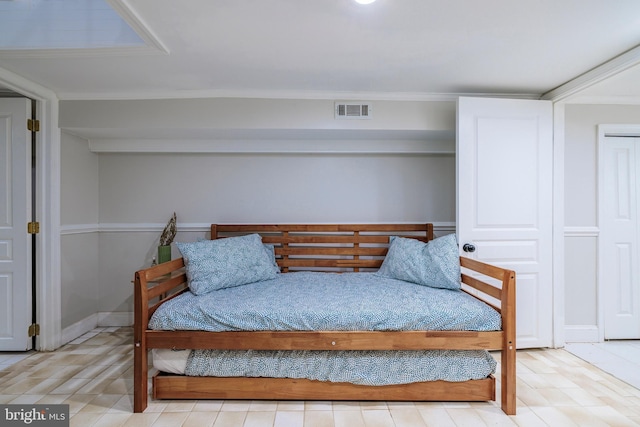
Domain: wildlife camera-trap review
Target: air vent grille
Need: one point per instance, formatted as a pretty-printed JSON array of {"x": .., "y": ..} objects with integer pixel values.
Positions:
[{"x": 353, "y": 110}]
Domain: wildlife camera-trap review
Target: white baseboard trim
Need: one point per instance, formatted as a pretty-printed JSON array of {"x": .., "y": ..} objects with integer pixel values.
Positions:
[
  {"x": 581, "y": 333},
  {"x": 115, "y": 318},
  {"x": 79, "y": 328},
  {"x": 100, "y": 319}
]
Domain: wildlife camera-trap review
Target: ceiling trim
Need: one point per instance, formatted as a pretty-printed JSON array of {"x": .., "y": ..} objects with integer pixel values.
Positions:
[
  {"x": 126, "y": 12},
  {"x": 288, "y": 94},
  {"x": 602, "y": 72},
  {"x": 603, "y": 100}
]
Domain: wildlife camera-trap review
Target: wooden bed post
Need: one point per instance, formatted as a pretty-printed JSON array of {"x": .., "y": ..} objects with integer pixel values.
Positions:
[
  {"x": 140, "y": 352},
  {"x": 508, "y": 359},
  {"x": 429, "y": 231}
]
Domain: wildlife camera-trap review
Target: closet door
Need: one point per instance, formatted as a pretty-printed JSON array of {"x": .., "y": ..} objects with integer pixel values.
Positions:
[
  {"x": 504, "y": 159},
  {"x": 619, "y": 236}
]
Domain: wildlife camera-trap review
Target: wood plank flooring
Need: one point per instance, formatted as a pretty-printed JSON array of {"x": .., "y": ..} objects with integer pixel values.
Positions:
[{"x": 93, "y": 374}]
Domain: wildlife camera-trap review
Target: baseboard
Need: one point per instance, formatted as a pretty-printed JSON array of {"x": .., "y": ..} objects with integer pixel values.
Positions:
[
  {"x": 79, "y": 328},
  {"x": 581, "y": 333},
  {"x": 115, "y": 318}
]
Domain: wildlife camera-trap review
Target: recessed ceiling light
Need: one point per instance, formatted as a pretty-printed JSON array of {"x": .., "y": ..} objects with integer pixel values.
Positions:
[{"x": 365, "y": 1}]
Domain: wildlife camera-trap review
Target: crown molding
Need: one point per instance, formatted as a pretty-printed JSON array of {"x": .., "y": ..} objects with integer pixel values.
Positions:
[
  {"x": 603, "y": 100},
  {"x": 135, "y": 21},
  {"x": 602, "y": 72},
  {"x": 287, "y": 94}
]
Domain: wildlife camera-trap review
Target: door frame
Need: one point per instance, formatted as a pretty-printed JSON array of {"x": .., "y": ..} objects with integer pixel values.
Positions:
[
  {"x": 557, "y": 233},
  {"x": 605, "y": 131},
  {"x": 47, "y": 210}
]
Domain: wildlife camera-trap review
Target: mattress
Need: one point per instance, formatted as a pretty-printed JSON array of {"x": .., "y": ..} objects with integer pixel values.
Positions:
[
  {"x": 374, "y": 368},
  {"x": 307, "y": 301}
]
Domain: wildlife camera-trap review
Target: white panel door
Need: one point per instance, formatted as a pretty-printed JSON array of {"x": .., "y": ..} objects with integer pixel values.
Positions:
[
  {"x": 619, "y": 238},
  {"x": 504, "y": 159},
  {"x": 15, "y": 212}
]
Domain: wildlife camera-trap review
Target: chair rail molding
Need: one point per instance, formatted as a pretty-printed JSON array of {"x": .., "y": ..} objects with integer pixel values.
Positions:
[{"x": 582, "y": 231}]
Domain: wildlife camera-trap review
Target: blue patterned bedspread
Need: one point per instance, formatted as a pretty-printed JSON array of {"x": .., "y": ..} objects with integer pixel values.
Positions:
[
  {"x": 375, "y": 368},
  {"x": 306, "y": 301}
]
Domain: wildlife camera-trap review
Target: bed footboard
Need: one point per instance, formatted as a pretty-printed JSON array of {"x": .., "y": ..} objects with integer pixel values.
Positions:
[
  {"x": 152, "y": 287},
  {"x": 501, "y": 294}
]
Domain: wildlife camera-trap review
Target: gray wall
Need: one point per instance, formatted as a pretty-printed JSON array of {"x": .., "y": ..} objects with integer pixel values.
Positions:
[
  {"x": 79, "y": 215},
  {"x": 139, "y": 190},
  {"x": 203, "y": 188},
  {"x": 129, "y": 196},
  {"x": 114, "y": 203},
  {"x": 581, "y": 208}
]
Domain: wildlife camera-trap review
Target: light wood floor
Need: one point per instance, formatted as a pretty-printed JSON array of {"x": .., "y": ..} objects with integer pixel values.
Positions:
[
  {"x": 94, "y": 376},
  {"x": 620, "y": 358}
]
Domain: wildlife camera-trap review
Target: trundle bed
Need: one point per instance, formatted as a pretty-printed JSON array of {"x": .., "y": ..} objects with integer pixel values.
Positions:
[{"x": 344, "y": 318}]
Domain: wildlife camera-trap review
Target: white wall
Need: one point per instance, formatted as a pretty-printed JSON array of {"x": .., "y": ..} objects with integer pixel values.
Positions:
[{"x": 581, "y": 207}]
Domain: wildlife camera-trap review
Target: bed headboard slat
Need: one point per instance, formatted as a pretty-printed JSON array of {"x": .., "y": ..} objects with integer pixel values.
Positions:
[{"x": 327, "y": 247}]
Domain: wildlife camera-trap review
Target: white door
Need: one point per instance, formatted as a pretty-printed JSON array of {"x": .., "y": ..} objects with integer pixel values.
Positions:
[
  {"x": 504, "y": 159},
  {"x": 619, "y": 239},
  {"x": 15, "y": 213}
]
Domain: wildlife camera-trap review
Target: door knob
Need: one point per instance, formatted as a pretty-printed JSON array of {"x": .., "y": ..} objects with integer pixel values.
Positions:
[{"x": 468, "y": 247}]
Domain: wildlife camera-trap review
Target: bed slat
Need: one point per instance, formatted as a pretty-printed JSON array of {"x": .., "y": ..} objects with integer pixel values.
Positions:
[
  {"x": 482, "y": 286},
  {"x": 332, "y": 250},
  {"x": 332, "y": 247}
]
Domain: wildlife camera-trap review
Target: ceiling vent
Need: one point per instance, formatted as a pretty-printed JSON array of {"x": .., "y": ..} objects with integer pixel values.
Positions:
[{"x": 353, "y": 110}]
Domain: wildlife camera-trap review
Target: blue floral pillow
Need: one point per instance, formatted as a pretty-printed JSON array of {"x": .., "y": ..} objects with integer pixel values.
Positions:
[
  {"x": 225, "y": 263},
  {"x": 435, "y": 264}
]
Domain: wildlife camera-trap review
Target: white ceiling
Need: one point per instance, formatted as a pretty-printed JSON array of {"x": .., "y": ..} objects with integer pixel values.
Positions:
[{"x": 324, "y": 48}]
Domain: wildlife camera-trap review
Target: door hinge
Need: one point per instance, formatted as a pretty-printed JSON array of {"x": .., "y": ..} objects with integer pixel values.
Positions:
[
  {"x": 33, "y": 227},
  {"x": 34, "y": 330},
  {"x": 33, "y": 125}
]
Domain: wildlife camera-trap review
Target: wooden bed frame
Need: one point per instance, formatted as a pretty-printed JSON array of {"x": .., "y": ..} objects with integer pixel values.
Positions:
[{"x": 333, "y": 247}]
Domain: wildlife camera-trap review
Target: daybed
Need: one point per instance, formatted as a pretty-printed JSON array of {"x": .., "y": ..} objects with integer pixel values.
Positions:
[{"x": 336, "y": 251}]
